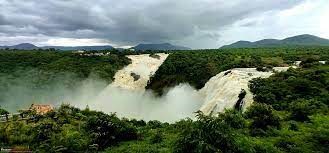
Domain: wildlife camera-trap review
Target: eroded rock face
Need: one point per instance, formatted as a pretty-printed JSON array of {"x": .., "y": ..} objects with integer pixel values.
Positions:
[
  {"x": 136, "y": 75},
  {"x": 222, "y": 91}
]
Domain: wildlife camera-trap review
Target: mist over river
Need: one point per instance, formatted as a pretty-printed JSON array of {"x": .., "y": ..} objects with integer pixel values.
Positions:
[{"x": 126, "y": 95}]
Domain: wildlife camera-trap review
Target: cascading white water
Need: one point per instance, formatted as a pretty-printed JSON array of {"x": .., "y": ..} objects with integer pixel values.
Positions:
[
  {"x": 222, "y": 91},
  {"x": 136, "y": 75}
]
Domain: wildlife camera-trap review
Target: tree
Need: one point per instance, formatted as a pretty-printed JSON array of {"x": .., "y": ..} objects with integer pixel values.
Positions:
[
  {"x": 3, "y": 111},
  {"x": 207, "y": 134},
  {"x": 301, "y": 109},
  {"x": 107, "y": 130},
  {"x": 233, "y": 118},
  {"x": 263, "y": 118}
]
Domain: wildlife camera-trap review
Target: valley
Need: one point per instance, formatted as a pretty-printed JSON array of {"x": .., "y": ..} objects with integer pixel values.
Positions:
[
  {"x": 160, "y": 100},
  {"x": 164, "y": 76}
]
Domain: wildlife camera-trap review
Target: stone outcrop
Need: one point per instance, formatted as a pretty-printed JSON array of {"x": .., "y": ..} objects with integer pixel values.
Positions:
[{"x": 136, "y": 75}]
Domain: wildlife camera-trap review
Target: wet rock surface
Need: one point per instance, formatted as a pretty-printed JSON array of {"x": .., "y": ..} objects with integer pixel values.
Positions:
[{"x": 135, "y": 76}]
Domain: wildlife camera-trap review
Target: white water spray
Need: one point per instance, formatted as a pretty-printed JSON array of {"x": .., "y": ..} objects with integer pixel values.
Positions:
[
  {"x": 127, "y": 97},
  {"x": 136, "y": 75}
]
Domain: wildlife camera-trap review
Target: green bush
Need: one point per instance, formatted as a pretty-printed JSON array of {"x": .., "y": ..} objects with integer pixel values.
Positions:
[
  {"x": 207, "y": 134},
  {"x": 302, "y": 109},
  {"x": 263, "y": 117}
]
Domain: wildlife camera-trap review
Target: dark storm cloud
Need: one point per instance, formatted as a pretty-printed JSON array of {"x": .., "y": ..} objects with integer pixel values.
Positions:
[
  {"x": 129, "y": 22},
  {"x": 2, "y": 20}
]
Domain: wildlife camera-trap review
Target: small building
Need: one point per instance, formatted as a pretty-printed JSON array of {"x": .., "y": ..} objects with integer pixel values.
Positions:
[
  {"x": 322, "y": 62},
  {"x": 41, "y": 109}
]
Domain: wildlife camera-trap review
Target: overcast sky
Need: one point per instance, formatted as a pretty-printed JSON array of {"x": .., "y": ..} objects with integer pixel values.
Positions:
[{"x": 192, "y": 23}]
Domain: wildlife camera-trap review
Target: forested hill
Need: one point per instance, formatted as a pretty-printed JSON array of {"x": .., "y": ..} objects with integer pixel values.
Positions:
[{"x": 300, "y": 40}]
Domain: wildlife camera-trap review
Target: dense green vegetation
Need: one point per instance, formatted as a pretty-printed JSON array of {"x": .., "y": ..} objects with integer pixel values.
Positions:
[
  {"x": 40, "y": 72},
  {"x": 60, "y": 62},
  {"x": 290, "y": 113},
  {"x": 197, "y": 67},
  {"x": 67, "y": 130}
]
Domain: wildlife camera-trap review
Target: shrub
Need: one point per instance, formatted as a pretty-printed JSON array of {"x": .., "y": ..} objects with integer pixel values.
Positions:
[
  {"x": 207, "y": 134},
  {"x": 107, "y": 130},
  {"x": 301, "y": 109},
  {"x": 233, "y": 118},
  {"x": 263, "y": 117},
  {"x": 3, "y": 111},
  {"x": 157, "y": 137}
]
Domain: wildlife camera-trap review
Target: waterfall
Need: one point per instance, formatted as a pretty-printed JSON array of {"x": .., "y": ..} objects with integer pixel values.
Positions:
[
  {"x": 136, "y": 75},
  {"x": 222, "y": 91},
  {"x": 127, "y": 97}
]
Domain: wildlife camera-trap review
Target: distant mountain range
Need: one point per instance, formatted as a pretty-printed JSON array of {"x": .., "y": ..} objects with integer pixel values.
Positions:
[
  {"x": 140, "y": 47},
  {"x": 28, "y": 46},
  {"x": 163, "y": 46},
  {"x": 23, "y": 46},
  {"x": 300, "y": 40}
]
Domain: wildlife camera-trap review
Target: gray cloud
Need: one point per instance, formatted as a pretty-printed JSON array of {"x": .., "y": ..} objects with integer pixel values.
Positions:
[
  {"x": 3, "y": 21},
  {"x": 128, "y": 22}
]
